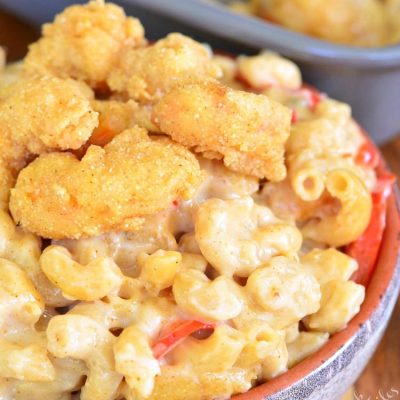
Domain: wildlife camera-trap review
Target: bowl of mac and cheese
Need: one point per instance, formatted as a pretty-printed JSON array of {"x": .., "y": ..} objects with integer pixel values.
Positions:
[
  {"x": 367, "y": 23},
  {"x": 180, "y": 224}
]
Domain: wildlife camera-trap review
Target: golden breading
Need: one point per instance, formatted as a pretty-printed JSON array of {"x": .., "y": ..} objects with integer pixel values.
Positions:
[
  {"x": 111, "y": 188},
  {"x": 146, "y": 74},
  {"x": 44, "y": 113},
  {"x": 84, "y": 41},
  {"x": 6, "y": 183},
  {"x": 248, "y": 131},
  {"x": 11, "y": 74},
  {"x": 116, "y": 116}
]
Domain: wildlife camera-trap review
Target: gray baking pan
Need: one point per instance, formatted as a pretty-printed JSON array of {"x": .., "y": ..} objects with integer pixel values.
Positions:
[{"x": 368, "y": 79}]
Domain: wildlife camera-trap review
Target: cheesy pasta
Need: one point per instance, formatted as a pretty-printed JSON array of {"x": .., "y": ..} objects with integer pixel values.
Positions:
[
  {"x": 365, "y": 23},
  {"x": 172, "y": 221}
]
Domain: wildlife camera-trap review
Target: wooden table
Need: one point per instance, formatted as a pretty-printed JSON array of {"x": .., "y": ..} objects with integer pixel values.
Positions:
[{"x": 383, "y": 372}]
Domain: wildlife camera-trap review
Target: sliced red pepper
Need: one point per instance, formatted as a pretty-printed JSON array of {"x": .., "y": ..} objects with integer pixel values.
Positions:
[
  {"x": 368, "y": 155},
  {"x": 294, "y": 116},
  {"x": 385, "y": 183},
  {"x": 366, "y": 248},
  {"x": 175, "y": 333},
  {"x": 312, "y": 95}
]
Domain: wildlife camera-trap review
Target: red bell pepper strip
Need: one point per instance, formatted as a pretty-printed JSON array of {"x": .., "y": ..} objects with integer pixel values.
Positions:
[
  {"x": 366, "y": 248},
  {"x": 294, "y": 117},
  {"x": 175, "y": 333},
  {"x": 312, "y": 95},
  {"x": 368, "y": 155}
]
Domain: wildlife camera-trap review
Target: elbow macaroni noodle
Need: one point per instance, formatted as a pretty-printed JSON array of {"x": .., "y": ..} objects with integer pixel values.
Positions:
[
  {"x": 97, "y": 279},
  {"x": 353, "y": 216},
  {"x": 254, "y": 264},
  {"x": 233, "y": 250}
]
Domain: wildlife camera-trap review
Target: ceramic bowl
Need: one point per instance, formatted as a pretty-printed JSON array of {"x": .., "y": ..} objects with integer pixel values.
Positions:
[{"x": 327, "y": 374}]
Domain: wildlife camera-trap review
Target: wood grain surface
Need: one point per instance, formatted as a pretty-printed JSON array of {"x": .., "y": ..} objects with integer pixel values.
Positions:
[{"x": 381, "y": 378}]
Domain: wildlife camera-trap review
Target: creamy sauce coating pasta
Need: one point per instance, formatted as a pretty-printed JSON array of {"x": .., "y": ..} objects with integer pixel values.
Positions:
[{"x": 233, "y": 272}]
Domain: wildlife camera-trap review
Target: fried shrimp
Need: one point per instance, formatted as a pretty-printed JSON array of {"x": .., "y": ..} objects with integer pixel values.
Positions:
[
  {"x": 146, "y": 74},
  {"x": 9, "y": 75},
  {"x": 42, "y": 114},
  {"x": 6, "y": 183},
  {"x": 69, "y": 46},
  {"x": 116, "y": 116},
  {"x": 111, "y": 188},
  {"x": 246, "y": 130}
]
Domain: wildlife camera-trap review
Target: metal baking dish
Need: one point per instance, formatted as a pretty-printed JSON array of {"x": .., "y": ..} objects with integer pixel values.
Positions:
[{"x": 368, "y": 79}]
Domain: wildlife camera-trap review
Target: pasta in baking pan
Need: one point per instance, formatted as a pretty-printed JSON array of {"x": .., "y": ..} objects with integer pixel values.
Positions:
[
  {"x": 366, "y": 23},
  {"x": 174, "y": 224}
]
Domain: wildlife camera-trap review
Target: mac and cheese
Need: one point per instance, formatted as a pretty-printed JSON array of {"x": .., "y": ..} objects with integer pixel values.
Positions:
[{"x": 171, "y": 220}]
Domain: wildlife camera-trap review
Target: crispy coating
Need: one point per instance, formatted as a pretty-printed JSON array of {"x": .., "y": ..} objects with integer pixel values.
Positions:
[
  {"x": 42, "y": 114},
  {"x": 116, "y": 116},
  {"x": 7, "y": 180},
  {"x": 111, "y": 188},
  {"x": 248, "y": 131},
  {"x": 84, "y": 41},
  {"x": 10, "y": 74},
  {"x": 146, "y": 74}
]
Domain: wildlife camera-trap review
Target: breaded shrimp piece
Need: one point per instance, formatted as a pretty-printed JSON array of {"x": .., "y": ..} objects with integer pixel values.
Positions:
[
  {"x": 83, "y": 42},
  {"x": 246, "y": 130},
  {"x": 10, "y": 74},
  {"x": 42, "y": 114},
  {"x": 111, "y": 188},
  {"x": 146, "y": 74},
  {"x": 116, "y": 116},
  {"x": 7, "y": 180}
]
